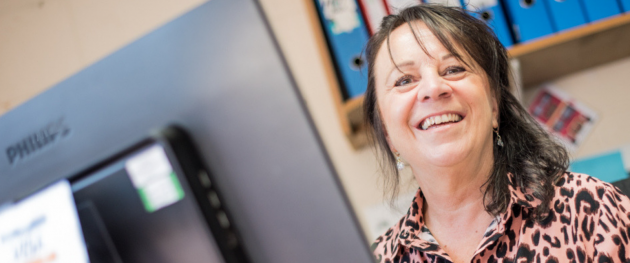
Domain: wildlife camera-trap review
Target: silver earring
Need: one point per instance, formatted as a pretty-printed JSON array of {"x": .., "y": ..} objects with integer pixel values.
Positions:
[
  {"x": 499, "y": 141},
  {"x": 399, "y": 164}
]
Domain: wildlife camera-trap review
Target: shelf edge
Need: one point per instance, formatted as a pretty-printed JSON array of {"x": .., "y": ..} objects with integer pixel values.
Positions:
[{"x": 566, "y": 36}]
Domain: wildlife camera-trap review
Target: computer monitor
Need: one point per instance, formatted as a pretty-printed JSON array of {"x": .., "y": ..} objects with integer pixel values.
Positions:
[
  {"x": 216, "y": 72},
  {"x": 154, "y": 202}
]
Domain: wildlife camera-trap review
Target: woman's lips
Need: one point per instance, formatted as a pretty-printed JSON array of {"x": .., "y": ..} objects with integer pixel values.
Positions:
[{"x": 434, "y": 121}]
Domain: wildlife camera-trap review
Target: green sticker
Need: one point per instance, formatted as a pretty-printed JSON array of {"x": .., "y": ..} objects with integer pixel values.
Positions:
[{"x": 153, "y": 176}]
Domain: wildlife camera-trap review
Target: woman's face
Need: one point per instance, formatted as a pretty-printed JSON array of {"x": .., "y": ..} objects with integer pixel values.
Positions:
[{"x": 437, "y": 112}]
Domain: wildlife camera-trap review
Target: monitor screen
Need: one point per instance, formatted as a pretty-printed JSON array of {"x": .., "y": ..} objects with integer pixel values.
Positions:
[
  {"x": 139, "y": 208},
  {"x": 141, "y": 205}
]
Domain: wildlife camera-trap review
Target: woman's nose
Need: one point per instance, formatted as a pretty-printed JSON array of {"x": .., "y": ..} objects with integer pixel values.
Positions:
[{"x": 433, "y": 88}]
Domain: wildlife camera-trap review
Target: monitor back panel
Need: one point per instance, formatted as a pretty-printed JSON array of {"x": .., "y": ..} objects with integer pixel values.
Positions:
[{"x": 217, "y": 72}]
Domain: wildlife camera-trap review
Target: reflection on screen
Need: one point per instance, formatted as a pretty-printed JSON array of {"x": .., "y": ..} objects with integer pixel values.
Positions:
[{"x": 43, "y": 228}]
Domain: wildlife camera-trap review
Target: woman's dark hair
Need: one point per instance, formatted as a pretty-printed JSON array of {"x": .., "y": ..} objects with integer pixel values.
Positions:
[{"x": 529, "y": 153}]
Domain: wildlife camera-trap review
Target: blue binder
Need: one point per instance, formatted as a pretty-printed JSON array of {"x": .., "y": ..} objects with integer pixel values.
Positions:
[
  {"x": 529, "y": 19},
  {"x": 495, "y": 18},
  {"x": 600, "y": 9},
  {"x": 625, "y": 5},
  {"x": 566, "y": 14},
  {"x": 346, "y": 34}
]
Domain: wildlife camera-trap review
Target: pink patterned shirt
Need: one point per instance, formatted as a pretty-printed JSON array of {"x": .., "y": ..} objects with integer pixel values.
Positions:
[{"x": 589, "y": 221}]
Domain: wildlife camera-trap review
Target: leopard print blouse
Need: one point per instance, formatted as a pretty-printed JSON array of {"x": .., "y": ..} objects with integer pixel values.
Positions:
[{"x": 589, "y": 222}]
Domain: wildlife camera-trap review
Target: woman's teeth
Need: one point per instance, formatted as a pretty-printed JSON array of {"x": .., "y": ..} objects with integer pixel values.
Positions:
[{"x": 444, "y": 118}]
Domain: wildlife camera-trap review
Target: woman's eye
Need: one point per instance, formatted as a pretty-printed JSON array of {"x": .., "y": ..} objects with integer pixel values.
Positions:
[
  {"x": 454, "y": 70},
  {"x": 404, "y": 80}
]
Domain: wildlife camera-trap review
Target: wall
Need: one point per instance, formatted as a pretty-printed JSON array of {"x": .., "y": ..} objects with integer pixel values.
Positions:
[
  {"x": 45, "y": 41},
  {"x": 605, "y": 90},
  {"x": 42, "y": 42}
]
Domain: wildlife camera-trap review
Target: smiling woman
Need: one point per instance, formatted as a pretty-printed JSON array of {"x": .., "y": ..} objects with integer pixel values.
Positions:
[{"x": 493, "y": 184}]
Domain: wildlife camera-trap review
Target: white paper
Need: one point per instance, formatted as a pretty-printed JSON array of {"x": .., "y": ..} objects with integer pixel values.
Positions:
[
  {"x": 375, "y": 10},
  {"x": 152, "y": 175},
  {"x": 43, "y": 228},
  {"x": 148, "y": 166},
  {"x": 445, "y": 2},
  {"x": 341, "y": 15},
  {"x": 395, "y": 6},
  {"x": 516, "y": 79},
  {"x": 476, "y": 5}
]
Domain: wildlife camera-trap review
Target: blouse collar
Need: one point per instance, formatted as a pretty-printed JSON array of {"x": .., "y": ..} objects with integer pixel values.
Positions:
[{"x": 408, "y": 232}]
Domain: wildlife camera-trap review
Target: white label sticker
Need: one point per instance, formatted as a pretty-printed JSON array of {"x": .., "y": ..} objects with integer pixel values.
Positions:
[
  {"x": 475, "y": 5},
  {"x": 445, "y": 2},
  {"x": 341, "y": 15},
  {"x": 375, "y": 12},
  {"x": 395, "y": 6},
  {"x": 43, "y": 228},
  {"x": 152, "y": 175}
]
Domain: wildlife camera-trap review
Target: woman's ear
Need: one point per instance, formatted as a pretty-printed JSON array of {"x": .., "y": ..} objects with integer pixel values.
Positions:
[
  {"x": 495, "y": 112},
  {"x": 389, "y": 142},
  {"x": 391, "y": 146}
]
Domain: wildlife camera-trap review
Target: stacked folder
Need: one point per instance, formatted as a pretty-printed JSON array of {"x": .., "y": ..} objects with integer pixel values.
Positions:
[
  {"x": 600, "y": 9},
  {"x": 346, "y": 35},
  {"x": 566, "y": 14},
  {"x": 529, "y": 19},
  {"x": 492, "y": 13},
  {"x": 373, "y": 12}
]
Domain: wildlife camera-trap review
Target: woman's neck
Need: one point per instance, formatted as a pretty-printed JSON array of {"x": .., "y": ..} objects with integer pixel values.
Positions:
[
  {"x": 452, "y": 194},
  {"x": 454, "y": 203},
  {"x": 454, "y": 209}
]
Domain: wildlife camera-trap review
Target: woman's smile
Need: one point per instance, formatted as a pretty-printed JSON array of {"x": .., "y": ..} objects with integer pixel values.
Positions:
[{"x": 439, "y": 120}]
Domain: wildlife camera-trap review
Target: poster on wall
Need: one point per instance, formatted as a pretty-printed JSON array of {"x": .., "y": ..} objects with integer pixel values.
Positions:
[{"x": 569, "y": 120}]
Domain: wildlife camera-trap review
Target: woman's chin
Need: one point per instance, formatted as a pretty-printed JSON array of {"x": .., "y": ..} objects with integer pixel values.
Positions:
[
  {"x": 445, "y": 161},
  {"x": 445, "y": 157}
]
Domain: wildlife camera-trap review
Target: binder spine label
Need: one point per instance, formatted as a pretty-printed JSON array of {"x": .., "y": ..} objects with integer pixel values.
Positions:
[
  {"x": 341, "y": 14},
  {"x": 476, "y": 5},
  {"x": 456, "y": 3}
]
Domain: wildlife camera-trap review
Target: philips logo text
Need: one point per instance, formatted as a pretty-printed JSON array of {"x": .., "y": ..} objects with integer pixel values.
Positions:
[{"x": 37, "y": 141}]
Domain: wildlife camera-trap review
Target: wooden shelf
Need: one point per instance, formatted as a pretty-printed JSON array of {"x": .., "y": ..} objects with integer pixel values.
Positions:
[
  {"x": 353, "y": 109},
  {"x": 541, "y": 60},
  {"x": 570, "y": 51}
]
